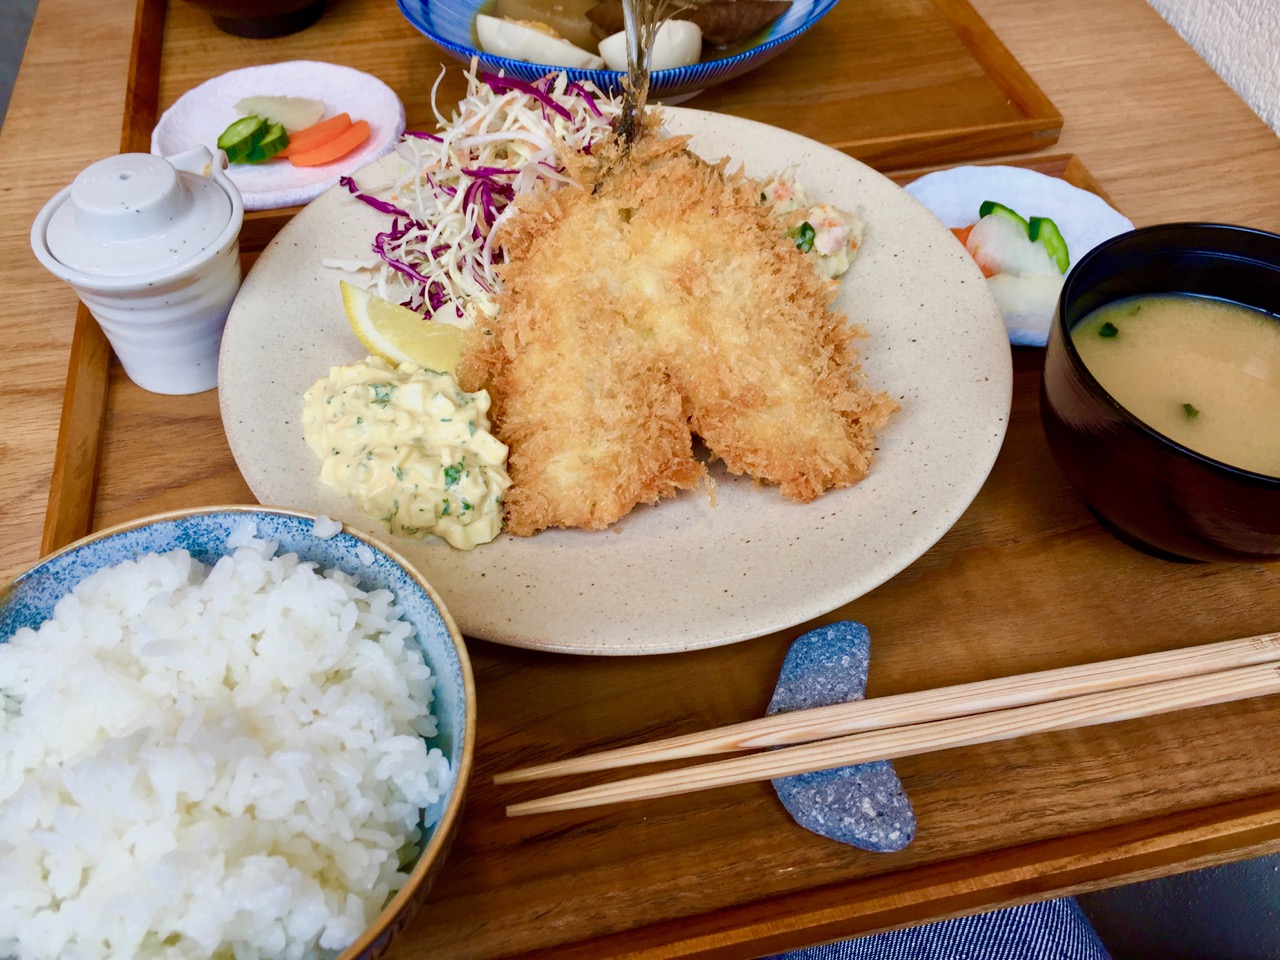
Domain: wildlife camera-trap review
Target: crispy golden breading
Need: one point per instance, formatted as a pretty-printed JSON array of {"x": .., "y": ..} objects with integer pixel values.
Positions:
[{"x": 665, "y": 303}]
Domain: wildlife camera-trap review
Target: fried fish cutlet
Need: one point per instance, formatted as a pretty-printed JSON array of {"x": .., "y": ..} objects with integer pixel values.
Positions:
[
  {"x": 663, "y": 301},
  {"x": 593, "y": 427}
]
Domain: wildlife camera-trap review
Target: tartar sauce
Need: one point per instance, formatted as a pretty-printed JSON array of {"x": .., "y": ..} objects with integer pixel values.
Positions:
[{"x": 411, "y": 448}]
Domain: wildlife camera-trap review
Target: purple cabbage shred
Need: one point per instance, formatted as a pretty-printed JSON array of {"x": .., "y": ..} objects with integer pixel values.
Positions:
[
  {"x": 503, "y": 84},
  {"x": 490, "y": 172},
  {"x": 490, "y": 195},
  {"x": 574, "y": 87},
  {"x": 382, "y": 206},
  {"x": 439, "y": 187}
]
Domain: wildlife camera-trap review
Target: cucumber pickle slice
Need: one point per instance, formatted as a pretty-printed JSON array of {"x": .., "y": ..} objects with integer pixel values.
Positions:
[
  {"x": 991, "y": 206},
  {"x": 253, "y": 140},
  {"x": 272, "y": 141},
  {"x": 1045, "y": 231},
  {"x": 239, "y": 138}
]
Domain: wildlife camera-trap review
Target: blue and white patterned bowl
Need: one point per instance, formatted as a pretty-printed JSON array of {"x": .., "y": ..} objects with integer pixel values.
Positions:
[
  {"x": 451, "y": 25},
  {"x": 204, "y": 532}
]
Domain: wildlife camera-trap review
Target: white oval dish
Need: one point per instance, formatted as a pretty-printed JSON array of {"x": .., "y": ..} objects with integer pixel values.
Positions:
[
  {"x": 202, "y": 113},
  {"x": 684, "y": 574}
]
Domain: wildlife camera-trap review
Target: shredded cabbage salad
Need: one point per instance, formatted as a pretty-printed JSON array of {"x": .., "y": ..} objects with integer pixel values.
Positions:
[{"x": 505, "y": 137}]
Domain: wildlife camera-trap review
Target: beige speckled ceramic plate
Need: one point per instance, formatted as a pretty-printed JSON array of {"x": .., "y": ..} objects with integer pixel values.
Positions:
[{"x": 683, "y": 574}]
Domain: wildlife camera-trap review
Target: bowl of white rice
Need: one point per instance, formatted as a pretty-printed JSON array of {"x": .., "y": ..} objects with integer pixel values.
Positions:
[{"x": 225, "y": 732}]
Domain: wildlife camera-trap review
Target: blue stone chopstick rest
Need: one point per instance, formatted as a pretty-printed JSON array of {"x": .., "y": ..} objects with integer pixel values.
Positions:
[{"x": 862, "y": 805}]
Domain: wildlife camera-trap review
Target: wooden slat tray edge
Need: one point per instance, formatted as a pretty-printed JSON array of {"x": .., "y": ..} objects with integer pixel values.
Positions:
[
  {"x": 1040, "y": 127},
  {"x": 69, "y": 514},
  {"x": 1125, "y": 853},
  {"x": 999, "y": 62}
]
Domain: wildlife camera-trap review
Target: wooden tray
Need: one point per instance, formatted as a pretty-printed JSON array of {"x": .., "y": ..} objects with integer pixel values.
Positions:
[
  {"x": 898, "y": 84},
  {"x": 895, "y": 84},
  {"x": 1026, "y": 580}
]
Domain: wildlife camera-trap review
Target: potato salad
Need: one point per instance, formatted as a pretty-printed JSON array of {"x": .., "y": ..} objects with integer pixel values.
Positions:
[
  {"x": 411, "y": 448},
  {"x": 829, "y": 235}
]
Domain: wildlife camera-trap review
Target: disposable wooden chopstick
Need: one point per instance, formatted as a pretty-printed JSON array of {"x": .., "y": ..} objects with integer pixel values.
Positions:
[
  {"x": 896, "y": 742},
  {"x": 803, "y": 726}
]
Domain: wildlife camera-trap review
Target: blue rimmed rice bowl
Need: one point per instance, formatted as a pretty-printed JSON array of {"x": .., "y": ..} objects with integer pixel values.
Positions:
[{"x": 208, "y": 535}]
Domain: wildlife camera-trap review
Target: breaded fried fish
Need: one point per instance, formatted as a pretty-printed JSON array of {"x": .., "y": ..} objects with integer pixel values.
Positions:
[{"x": 659, "y": 302}]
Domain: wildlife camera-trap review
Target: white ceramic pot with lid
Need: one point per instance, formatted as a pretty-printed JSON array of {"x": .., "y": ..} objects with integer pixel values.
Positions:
[{"x": 152, "y": 246}]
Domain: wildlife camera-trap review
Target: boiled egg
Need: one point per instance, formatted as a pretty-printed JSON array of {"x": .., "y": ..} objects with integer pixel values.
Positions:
[
  {"x": 678, "y": 44},
  {"x": 523, "y": 41}
]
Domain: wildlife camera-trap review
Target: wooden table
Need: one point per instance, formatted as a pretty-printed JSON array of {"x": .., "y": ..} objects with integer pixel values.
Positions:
[{"x": 1026, "y": 580}]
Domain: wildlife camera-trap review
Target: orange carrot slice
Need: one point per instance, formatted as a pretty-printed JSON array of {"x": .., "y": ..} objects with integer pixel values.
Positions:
[
  {"x": 335, "y": 149},
  {"x": 316, "y": 135},
  {"x": 962, "y": 234}
]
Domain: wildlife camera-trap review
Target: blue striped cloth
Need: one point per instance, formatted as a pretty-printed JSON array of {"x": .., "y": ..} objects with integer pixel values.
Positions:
[{"x": 1052, "y": 930}]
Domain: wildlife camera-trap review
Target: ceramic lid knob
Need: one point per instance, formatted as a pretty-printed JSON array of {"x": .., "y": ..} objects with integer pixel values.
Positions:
[
  {"x": 135, "y": 213},
  {"x": 128, "y": 197}
]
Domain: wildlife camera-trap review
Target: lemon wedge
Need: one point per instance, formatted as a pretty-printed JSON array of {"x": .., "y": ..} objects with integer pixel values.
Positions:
[{"x": 398, "y": 335}]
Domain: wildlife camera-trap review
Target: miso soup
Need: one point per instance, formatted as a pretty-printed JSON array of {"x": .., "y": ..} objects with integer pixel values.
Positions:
[{"x": 1203, "y": 372}]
